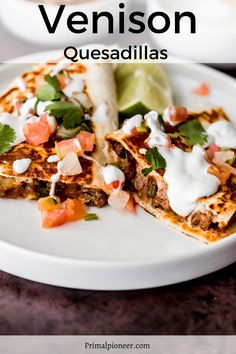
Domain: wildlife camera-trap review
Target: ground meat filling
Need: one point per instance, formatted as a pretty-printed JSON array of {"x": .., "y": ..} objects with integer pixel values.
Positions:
[
  {"x": 147, "y": 189},
  {"x": 202, "y": 219},
  {"x": 12, "y": 188},
  {"x": 126, "y": 162}
]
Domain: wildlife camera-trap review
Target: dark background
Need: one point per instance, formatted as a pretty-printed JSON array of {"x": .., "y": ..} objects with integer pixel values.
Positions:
[{"x": 205, "y": 306}]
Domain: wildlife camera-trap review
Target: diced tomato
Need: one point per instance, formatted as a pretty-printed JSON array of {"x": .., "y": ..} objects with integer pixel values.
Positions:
[
  {"x": 63, "y": 81},
  {"x": 177, "y": 114},
  {"x": 76, "y": 209},
  {"x": 87, "y": 141},
  {"x": 222, "y": 172},
  {"x": 65, "y": 147},
  {"x": 131, "y": 205},
  {"x": 114, "y": 185},
  {"x": 48, "y": 203},
  {"x": 134, "y": 131},
  {"x": 54, "y": 218},
  {"x": 213, "y": 148},
  {"x": 68, "y": 211},
  {"x": 37, "y": 133},
  {"x": 202, "y": 90}
]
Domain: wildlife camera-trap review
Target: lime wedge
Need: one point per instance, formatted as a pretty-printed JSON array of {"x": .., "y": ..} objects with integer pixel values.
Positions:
[
  {"x": 156, "y": 71},
  {"x": 140, "y": 93}
]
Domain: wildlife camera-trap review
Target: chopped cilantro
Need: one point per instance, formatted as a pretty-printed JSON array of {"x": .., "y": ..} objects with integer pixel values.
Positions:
[
  {"x": 90, "y": 217},
  {"x": 194, "y": 132},
  {"x": 50, "y": 90},
  {"x": 156, "y": 160},
  {"x": 7, "y": 137},
  {"x": 71, "y": 114}
]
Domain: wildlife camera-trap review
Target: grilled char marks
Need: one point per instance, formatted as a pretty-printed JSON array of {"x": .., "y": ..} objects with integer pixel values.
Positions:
[
  {"x": 147, "y": 188},
  {"x": 125, "y": 160}
]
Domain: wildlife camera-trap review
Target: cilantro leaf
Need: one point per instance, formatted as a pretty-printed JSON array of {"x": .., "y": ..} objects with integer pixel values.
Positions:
[
  {"x": 7, "y": 137},
  {"x": 90, "y": 217},
  {"x": 71, "y": 114},
  {"x": 50, "y": 90},
  {"x": 156, "y": 160},
  {"x": 194, "y": 132}
]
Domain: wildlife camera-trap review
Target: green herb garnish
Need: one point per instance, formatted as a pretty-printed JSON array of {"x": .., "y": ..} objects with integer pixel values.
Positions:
[
  {"x": 7, "y": 137},
  {"x": 90, "y": 217},
  {"x": 194, "y": 132},
  {"x": 50, "y": 90},
  {"x": 71, "y": 114},
  {"x": 156, "y": 160}
]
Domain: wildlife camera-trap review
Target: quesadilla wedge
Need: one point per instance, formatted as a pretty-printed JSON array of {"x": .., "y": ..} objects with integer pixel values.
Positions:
[
  {"x": 56, "y": 109},
  {"x": 181, "y": 168}
]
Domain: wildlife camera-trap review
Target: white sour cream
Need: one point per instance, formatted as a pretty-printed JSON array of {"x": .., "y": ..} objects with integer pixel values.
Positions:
[
  {"x": 27, "y": 108},
  {"x": 157, "y": 137},
  {"x": 132, "y": 123},
  {"x": 56, "y": 178},
  {"x": 111, "y": 174},
  {"x": 75, "y": 86},
  {"x": 53, "y": 158},
  {"x": 21, "y": 166},
  {"x": 41, "y": 107},
  {"x": 223, "y": 134},
  {"x": 187, "y": 178}
]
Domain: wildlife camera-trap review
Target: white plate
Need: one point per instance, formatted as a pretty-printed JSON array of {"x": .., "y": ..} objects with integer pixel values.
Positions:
[{"x": 120, "y": 251}]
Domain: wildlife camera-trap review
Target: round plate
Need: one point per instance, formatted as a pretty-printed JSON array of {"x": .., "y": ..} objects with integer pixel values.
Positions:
[{"x": 120, "y": 251}]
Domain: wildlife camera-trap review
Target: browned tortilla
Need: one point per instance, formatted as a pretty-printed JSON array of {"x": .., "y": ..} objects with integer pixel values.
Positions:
[{"x": 222, "y": 204}]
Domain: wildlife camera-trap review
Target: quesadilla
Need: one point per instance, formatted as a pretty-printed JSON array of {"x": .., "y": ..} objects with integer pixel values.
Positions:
[
  {"x": 181, "y": 168},
  {"x": 75, "y": 105}
]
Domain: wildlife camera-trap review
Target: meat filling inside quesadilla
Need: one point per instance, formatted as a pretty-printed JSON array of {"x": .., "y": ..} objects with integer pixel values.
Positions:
[{"x": 203, "y": 204}]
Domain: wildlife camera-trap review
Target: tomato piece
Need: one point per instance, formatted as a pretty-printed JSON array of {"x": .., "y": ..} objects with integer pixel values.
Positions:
[
  {"x": 37, "y": 133},
  {"x": 213, "y": 148},
  {"x": 131, "y": 205},
  {"x": 202, "y": 90},
  {"x": 87, "y": 141},
  {"x": 68, "y": 211},
  {"x": 222, "y": 172},
  {"x": 134, "y": 132},
  {"x": 65, "y": 147},
  {"x": 175, "y": 115},
  {"x": 48, "y": 203},
  {"x": 114, "y": 185},
  {"x": 63, "y": 81},
  {"x": 54, "y": 218},
  {"x": 76, "y": 209}
]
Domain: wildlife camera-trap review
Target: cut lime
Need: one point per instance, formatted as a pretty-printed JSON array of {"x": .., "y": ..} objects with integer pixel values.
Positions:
[
  {"x": 156, "y": 71},
  {"x": 141, "y": 93}
]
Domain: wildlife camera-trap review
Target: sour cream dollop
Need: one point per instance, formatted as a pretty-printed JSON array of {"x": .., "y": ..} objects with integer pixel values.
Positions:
[
  {"x": 111, "y": 174},
  {"x": 187, "y": 178},
  {"x": 157, "y": 137},
  {"x": 132, "y": 123},
  {"x": 21, "y": 166},
  {"x": 223, "y": 134}
]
